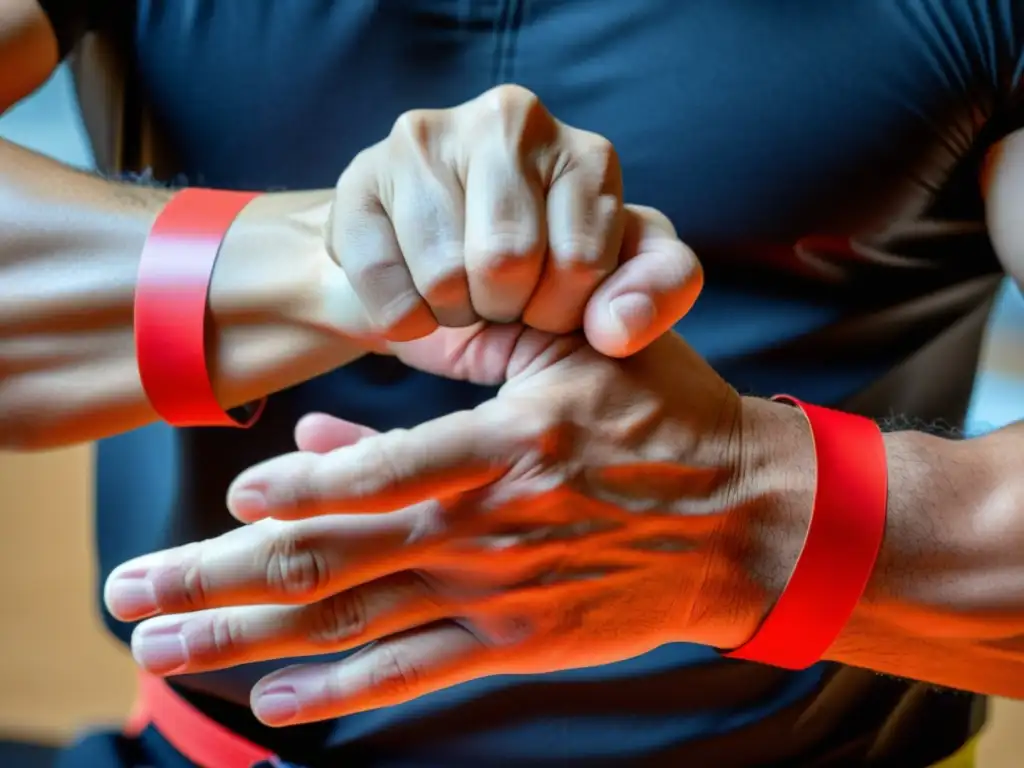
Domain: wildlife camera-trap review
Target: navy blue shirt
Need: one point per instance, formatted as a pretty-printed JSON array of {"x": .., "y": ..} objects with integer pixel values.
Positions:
[{"x": 820, "y": 155}]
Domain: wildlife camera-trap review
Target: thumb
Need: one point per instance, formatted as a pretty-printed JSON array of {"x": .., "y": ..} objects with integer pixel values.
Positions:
[
  {"x": 657, "y": 282},
  {"x": 320, "y": 433}
]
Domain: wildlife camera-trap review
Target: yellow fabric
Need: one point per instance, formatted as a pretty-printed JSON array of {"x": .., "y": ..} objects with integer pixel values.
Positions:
[{"x": 962, "y": 759}]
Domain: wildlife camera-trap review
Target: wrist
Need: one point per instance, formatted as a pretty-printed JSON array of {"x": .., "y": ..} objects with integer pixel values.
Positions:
[
  {"x": 271, "y": 300},
  {"x": 273, "y": 264},
  {"x": 770, "y": 510}
]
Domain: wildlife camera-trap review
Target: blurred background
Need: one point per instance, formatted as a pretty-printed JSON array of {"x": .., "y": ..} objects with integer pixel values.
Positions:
[{"x": 60, "y": 672}]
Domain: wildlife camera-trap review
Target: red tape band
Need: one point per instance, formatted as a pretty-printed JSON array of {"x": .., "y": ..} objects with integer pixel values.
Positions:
[
  {"x": 171, "y": 297},
  {"x": 842, "y": 545}
]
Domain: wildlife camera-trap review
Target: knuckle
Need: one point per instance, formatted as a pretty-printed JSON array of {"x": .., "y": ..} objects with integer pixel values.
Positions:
[
  {"x": 503, "y": 256},
  {"x": 393, "y": 674},
  {"x": 416, "y": 129},
  {"x": 376, "y": 275},
  {"x": 581, "y": 253},
  {"x": 294, "y": 569},
  {"x": 545, "y": 439},
  {"x": 511, "y": 114},
  {"x": 195, "y": 587},
  {"x": 360, "y": 163},
  {"x": 340, "y": 617},
  {"x": 227, "y": 635},
  {"x": 507, "y": 252},
  {"x": 511, "y": 99},
  {"x": 296, "y": 491},
  {"x": 425, "y": 592},
  {"x": 386, "y": 290},
  {"x": 597, "y": 153},
  {"x": 214, "y": 639},
  {"x": 358, "y": 186},
  {"x": 594, "y": 160},
  {"x": 445, "y": 281},
  {"x": 385, "y": 470}
]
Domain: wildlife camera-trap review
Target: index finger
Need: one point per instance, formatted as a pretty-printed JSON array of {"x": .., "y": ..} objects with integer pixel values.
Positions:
[{"x": 381, "y": 473}]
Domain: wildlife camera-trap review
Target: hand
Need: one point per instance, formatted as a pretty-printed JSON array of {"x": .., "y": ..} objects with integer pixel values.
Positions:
[
  {"x": 482, "y": 353},
  {"x": 494, "y": 210},
  {"x": 594, "y": 510}
]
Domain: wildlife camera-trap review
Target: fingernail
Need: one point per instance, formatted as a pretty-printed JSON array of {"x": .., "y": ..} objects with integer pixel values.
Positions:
[
  {"x": 161, "y": 651},
  {"x": 248, "y": 503},
  {"x": 276, "y": 706},
  {"x": 131, "y": 597},
  {"x": 633, "y": 313}
]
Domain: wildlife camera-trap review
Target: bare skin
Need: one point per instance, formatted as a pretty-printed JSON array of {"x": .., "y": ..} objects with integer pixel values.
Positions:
[
  {"x": 493, "y": 211},
  {"x": 945, "y": 603},
  {"x": 353, "y": 537},
  {"x": 461, "y": 546}
]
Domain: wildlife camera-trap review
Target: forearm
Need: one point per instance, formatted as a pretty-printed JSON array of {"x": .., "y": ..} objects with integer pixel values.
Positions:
[
  {"x": 946, "y": 601},
  {"x": 69, "y": 252}
]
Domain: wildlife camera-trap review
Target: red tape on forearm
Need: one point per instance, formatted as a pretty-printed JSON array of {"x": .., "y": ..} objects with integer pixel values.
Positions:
[
  {"x": 842, "y": 544},
  {"x": 171, "y": 307}
]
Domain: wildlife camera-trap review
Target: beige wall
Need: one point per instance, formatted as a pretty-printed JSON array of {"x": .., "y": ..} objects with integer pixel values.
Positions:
[{"x": 59, "y": 670}]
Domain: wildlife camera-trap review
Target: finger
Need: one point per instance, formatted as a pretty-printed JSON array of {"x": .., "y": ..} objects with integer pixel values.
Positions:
[
  {"x": 479, "y": 353},
  {"x": 320, "y": 433},
  {"x": 427, "y": 210},
  {"x": 657, "y": 282},
  {"x": 390, "y": 471},
  {"x": 363, "y": 242},
  {"x": 506, "y": 234},
  {"x": 270, "y": 562},
  {"x": 395, "y": 670},
  {"x": 585, "y": 220},
  {"x": 226, "y": 637}
]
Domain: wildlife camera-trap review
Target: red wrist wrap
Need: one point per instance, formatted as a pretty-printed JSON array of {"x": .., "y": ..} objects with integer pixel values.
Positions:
[
  {"x": 842, "y": 544},
  {"x": 171, "y": 307}
]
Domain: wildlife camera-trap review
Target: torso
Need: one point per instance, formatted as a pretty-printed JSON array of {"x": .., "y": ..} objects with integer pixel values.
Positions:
[{"x": 820, "y": 156}]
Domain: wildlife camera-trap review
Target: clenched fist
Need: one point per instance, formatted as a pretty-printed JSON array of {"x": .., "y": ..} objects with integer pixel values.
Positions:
[{"x": 494, "y": 210}]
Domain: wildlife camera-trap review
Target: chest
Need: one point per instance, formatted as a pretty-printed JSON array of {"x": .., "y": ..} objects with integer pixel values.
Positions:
[{"x": 742, "y": 120}]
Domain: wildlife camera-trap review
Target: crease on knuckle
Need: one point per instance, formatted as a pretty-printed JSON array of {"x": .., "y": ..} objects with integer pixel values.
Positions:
[
  {"x": 341, "y": 617},
  {"x": 195, "y": 587},
  {"x": 593, "y": 155},
  {"x": 393, "y": 675},
  {"x": 215, "y": 639},
  {"x": 295, "y": 569}
]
